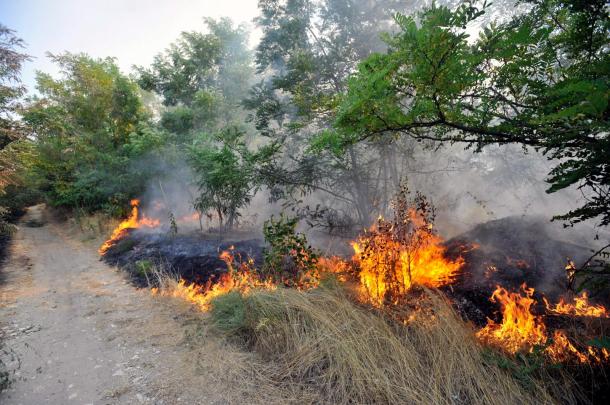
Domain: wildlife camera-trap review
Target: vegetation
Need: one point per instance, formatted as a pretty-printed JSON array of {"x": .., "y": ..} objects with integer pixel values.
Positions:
[
  {"x": 288, "y": 258},
  {"x": 321, "y": 341},
  {"x": 337, "y": 83},
  {"x": 90, "y": 127},
  {"x": 540, "y": 80},
  {"x": 338, "y": 103}
]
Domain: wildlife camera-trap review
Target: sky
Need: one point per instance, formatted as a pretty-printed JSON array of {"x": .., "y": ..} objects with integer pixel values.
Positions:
[{"x": 133, "y": 31}]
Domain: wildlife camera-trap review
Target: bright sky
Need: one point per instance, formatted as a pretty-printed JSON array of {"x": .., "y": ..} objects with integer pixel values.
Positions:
[{"x": 133, "y": 31}]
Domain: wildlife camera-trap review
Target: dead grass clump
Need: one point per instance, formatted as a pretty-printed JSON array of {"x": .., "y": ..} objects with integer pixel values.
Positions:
[{"x": 321, "y": 339}]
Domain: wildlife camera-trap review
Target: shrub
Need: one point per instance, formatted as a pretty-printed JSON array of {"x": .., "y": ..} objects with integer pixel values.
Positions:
[{"x": 288, "y": 259}]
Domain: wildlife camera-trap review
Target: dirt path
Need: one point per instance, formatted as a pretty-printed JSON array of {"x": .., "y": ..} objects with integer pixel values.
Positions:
[{"x": 84, "y": 336}]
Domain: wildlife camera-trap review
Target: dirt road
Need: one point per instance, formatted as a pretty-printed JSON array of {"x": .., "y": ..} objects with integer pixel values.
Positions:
[{"x": 83, "y": 335}]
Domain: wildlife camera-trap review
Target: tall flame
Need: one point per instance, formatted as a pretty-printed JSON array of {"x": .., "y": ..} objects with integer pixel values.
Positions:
[
  {"x": 133, "y": 221},
  {"x": 520, "y": 329},
  {"x": 390, "y": 266}
]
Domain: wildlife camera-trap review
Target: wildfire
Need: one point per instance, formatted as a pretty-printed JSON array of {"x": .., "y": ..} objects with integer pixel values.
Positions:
[
  {"x": 521, "y": 330},
  {"x": 189, "y": 218},
  {"x": 392, "y": 260},
  {"x": 240, "y": 277},
  {"x": 133, "y": 221},
  {"x": 579, "y": 307}
]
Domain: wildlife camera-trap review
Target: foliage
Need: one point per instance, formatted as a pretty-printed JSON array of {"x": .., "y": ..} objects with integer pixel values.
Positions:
[
  {"x": 539, "y": 80},
  {"x": 202, "y": 76},
  {"x": 289, "y": 259},
  {"x": 225, "y": 173},
  {"x": 89, "y": 127},
  {"x": 307, "y": 51},
  {"x": 11, "y": 88},
  {"x": 11, "y": 130}
]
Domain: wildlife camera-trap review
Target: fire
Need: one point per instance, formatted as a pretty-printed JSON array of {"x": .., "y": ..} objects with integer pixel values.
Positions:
[
  {"x": 562, "y": 350},
  {"x": 579, "y": 307},
  {"x": 239, "y": 277},
  {"x": 133, "y": 221},
  {"x": 391, "y": 260},
  {"x": 189, "y": 218},
  {"x": 520, "y": 328}
]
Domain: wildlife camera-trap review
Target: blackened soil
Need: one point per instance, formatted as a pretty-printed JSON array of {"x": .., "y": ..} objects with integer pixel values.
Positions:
[
  {"x": 509, "y": 252},
  {"x": 192, "y": 257}
]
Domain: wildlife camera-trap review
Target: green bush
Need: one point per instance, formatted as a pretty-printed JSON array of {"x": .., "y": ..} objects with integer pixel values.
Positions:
[{"x": 288, "y": 259}]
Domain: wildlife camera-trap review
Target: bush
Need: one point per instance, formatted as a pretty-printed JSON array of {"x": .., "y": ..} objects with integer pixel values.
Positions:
[{"x": 289, "y": 259}]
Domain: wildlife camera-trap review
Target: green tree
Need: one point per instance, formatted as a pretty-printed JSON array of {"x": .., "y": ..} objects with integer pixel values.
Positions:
[
  {"x": 11, "y": 91},
  {"x": 308, "y": 50},
  {"x": 226, "y": 173},
  {"x": 539, "y": 80},
  {"x": 202, "y": 78},
  {"x": 89, "y": 127}
]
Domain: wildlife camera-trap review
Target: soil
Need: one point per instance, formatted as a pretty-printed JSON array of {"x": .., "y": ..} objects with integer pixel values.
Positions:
[{"x": 78, "y": 333}]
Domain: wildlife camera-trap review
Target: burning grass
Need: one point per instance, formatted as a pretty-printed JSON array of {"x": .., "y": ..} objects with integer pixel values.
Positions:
[
  {"x": 241, "y": 276},
  {"x": 522, "y": 331},
  {"x": 321, "y": 339},
  {"x": 135, "y": 220},
  {"x": 579, "y": 306}
]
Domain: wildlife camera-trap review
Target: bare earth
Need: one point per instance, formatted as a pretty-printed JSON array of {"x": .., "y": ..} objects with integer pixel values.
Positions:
[{"x": 83, "y": 335}]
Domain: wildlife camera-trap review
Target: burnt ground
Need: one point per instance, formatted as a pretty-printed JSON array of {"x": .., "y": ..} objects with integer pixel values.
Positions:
[
  {"x": 508, "y": 252},
  {"x": 77, "y": 332},
  {"x": 194, "y": 257}
]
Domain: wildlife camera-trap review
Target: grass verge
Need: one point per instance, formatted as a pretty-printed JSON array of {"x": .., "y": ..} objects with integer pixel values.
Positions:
[{"x": 321, "y": 341}]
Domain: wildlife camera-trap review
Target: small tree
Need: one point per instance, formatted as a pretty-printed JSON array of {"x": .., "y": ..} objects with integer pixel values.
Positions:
[{"x": 225, "y": 174}]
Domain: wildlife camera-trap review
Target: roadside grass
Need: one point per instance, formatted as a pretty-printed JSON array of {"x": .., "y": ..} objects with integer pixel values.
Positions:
[
  {"x": 320, "y": 342},
  {"x": 93, "y": 227}
]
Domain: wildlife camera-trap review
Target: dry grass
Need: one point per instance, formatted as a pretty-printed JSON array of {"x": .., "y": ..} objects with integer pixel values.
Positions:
[
  {"x": 94, "y": 227},
  {"x": 320, "y": 343},
  {"x": 215, "y": 369}
]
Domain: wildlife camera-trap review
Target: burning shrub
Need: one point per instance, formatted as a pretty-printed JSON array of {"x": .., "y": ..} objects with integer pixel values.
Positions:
[
  {"x": 289, "y": 259},
  {"x": 394, "y": 255}
]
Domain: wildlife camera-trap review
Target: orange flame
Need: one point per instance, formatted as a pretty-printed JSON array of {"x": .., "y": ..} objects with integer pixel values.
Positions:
[
  {"x": 391, "y": 267},
  {"x": 520, "y": 329},
  {"x": 130, "y": 223},
  {"x": 189, "y": 218},
  {"x": 580, "y": 307},
  {"x": 241, "y": 279}
]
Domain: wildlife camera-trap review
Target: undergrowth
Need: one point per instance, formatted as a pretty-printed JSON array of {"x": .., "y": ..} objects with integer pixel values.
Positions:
[{"x": 322, "y": 341}]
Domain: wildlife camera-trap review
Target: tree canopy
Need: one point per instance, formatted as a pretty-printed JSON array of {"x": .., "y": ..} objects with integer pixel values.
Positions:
[
  {"x": 539, "y": 80},
  {"x": 89, "y": 126}
]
